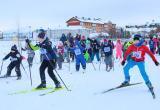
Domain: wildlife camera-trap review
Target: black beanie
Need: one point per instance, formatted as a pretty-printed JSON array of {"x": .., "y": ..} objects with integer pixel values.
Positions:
[
  {"x": 137, "y": 37},
  {"x": 14, "y": 48},
  {"x": 41, "y": 35}
]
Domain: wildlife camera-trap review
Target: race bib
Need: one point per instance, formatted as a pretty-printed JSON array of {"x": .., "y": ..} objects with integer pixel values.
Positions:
[
  {"x": 43, "y": 51},
  {"x": 137, "y": 54},
  {"x": 107, "y": 49},
  {"x": 13, "y": 59},
  {"x": 18, "y": 55},
  {"x": 77, "y": 51}
]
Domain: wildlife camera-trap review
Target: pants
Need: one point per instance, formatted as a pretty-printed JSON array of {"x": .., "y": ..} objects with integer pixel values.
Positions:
[
  {"x": 159, "y": 51},
  {"x": 118, "y": 55},
  {"x": 60, "y": 61},
  {"x": 30, "y": 59},
  {"x": 141, "y": 66},
  {"x": 51, "y": 66},
  {"x": 66, "y": 56},
  {"x": 17, "y": 68},
  {"x": 72, "y": 56},
  {"x": 108, "y": 61},
  {"x": 97, "y": 56},
  {"x": 81, "y": 61}
]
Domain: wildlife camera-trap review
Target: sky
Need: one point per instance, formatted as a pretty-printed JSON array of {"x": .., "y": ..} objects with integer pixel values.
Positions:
[{"x": 54, "y": 13}]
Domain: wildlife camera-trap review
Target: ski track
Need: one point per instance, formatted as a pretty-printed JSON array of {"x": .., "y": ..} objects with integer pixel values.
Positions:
[{"x": 83, "y": 86}]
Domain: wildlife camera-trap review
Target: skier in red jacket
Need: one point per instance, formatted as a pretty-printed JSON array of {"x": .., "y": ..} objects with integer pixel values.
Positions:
[{"x": 137, "y": 52}]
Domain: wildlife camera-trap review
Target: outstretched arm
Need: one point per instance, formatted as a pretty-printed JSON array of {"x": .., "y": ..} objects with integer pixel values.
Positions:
[
  {"x": 34, "y": 47},
  {"x": 7, "y": 56},
  {"x": 150, "y": 54}
]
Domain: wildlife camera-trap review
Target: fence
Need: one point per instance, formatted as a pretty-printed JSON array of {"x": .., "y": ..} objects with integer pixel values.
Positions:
[{"x": 52, "y": 34}]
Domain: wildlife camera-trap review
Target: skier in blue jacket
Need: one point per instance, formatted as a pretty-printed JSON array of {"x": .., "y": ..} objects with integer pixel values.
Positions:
[
  {"x": 78, "y": 50},
  {"x": 151, "y": 45}
]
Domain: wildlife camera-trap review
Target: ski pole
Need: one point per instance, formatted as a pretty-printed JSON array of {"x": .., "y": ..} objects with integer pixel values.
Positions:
[
  {"x": 69, "y": 62},
  {"x": 100, "y": 64},
  {"x": 113, "y": 62},
  {"x": 1, "y": 67},
  {"x": 62, "y": 80},
  {"x": 69, "y": 65},
  {"x": 57, "y": 74},
  {"x": 24, "y": 69},
  {"x": 93, "y": 66}
]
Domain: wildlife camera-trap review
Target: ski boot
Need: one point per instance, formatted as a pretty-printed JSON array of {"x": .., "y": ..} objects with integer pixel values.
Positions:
[
  {"x": 19, "y": 77},
  {"x": 58, "y": 86},
  {"x": 108, "y": 70},
  {"x": 125, "y": 83},
  {"x": 151, "y": 89},
  {"x": 41, "y": 86},
  {"x": 149, "y": 85}
]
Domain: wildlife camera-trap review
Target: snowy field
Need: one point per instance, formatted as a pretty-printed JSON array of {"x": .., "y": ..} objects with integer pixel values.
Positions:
[{"x": 86, "y": 88}]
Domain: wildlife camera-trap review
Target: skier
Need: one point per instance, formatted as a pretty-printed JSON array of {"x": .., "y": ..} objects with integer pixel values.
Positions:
[
  {"x": 78, "y": 51},
  {"x": 60, "y": 52},
  {"x": 95, "y": 49},
  {"x": 30, "y": 53},
  {"x": 155, "y": 39},
  {"x": 49, "y": 59},
  {"x": 66, "y": 52},
  {"x": 83, "y": 43},
  {"x": 158, "y": 46},
  {"x": 71, "y": 44},
  {"x": 137, "y": 51},
  {"x": 118, "y": 49},
  {"x": 152, "y": 45},
  {"x": 16, "y": 59},
  {"x": 108, "y": 51},
  {"x": 63, "y": 38},
  {"x": 88, "y": 51}
]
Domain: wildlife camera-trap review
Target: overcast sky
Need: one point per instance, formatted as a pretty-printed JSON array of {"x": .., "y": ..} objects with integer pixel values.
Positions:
[{"x": 52, "y": 13}]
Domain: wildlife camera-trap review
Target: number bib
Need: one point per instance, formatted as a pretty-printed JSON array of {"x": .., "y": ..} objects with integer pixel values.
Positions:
[
  {"x": 107, "y": 49},
  {"x": 137, "y": 54},
  {"x": 77, "y": 51}
]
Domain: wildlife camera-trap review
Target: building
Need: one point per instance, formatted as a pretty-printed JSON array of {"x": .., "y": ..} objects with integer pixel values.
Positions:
[{"x": 95, "y": 24}]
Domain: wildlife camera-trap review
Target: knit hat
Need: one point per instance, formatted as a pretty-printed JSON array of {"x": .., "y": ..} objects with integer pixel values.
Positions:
[
  {"x": 137, "y": 37},
  {"x": 14, "y": 48},
  {"x": 83, "y": 38},
  {"x": 42, "y": 35}
]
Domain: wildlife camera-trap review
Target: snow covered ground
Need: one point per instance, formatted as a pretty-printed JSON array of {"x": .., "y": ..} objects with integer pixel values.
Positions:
[{"x": 86, "y": 88}]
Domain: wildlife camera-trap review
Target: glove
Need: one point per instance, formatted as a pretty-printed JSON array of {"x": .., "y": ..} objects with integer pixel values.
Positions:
[
  {"x": 54, "y": 65},
  {"x": 54, "y": 60},
  {"x": 156, "y": 63},
  {"x": 123, "y": 62},
  {"x": 3, "y": 59},
  {"x": 27, "y": 40}
]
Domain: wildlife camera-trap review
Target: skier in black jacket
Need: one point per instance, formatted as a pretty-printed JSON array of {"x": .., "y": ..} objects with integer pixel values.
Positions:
[
  {"x": 95, "y": 49},
  {"x": 48, "y": 59},
  {"x": 108, "y": 51},
  {"x": 16, "y": 59}
]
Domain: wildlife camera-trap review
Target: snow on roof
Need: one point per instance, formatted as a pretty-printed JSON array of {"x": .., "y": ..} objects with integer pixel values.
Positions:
[
  {"x": 72, "y": 28},
  {"x": 97, "y": 21}
]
